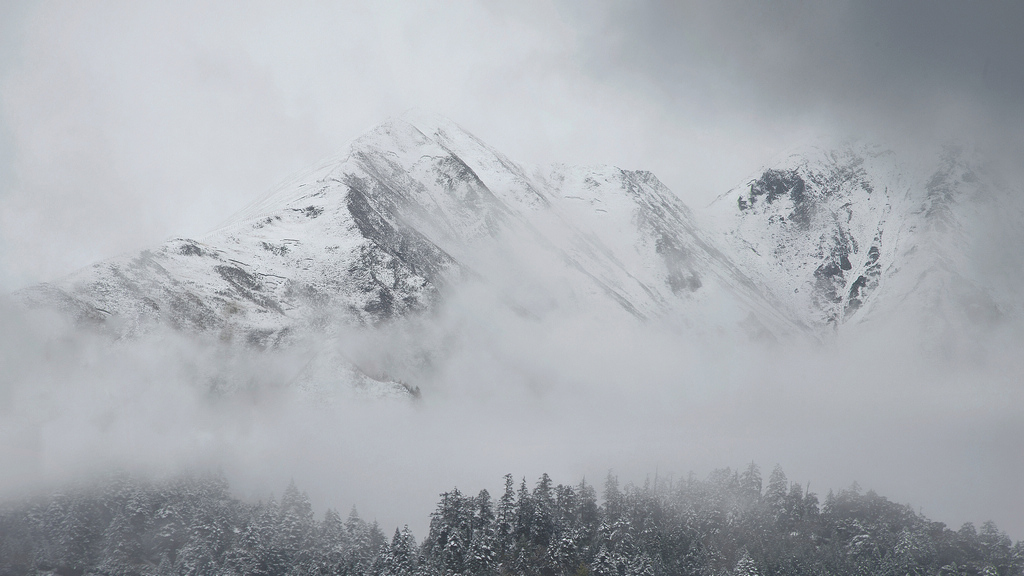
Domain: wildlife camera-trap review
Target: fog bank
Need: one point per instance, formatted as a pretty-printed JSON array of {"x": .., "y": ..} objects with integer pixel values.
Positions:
[{"x": 565, "y": 394}]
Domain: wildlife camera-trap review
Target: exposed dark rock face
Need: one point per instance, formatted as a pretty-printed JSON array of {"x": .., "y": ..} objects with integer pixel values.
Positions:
[
  {"x": 803, "y": 217},
  {"x": 681, "y": 276},
  {"x": 380, "y": 222},
  {"x": 392, "y": 286},
  {"x": 865, "y": 284},
  {"x": 774, "y": 184},
  {"x": 247, "y": 287},
  {"x": 190, "y": 312},
  {"x": 190, "y": 248},
  {"x": 311, "y": 211}
]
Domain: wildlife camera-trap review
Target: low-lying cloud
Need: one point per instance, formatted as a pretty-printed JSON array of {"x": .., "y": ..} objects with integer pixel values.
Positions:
[{"x": 564, "y": 394}]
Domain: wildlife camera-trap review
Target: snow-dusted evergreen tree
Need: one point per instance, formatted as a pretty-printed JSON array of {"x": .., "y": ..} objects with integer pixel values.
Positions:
[
  {"x": 330, "y": 544},
  {"x": 750, "y": 482},
  {"x": 365, "y": 540},
  {"x": 295, "y": 530},
  {"x": 255, "y": 551},
  {"x": 745, "y": 566},
  {"x": 209, "y": 531},
  {"x": 605, "y": 564},
  {"x": 483, "y": 546},
  {"x": 401, "y": 558},
  {"x": 543, "y": 521},
  {"x": 123, "y": 552},
  {"x": 640, "y": 565},
  {"x": 613, "y": 505},
  {"x": 778, "y": 487},
  {"x": 74, "y": 532},
  {"x": 524, "y": 517},
  {"x": 447, "y": 545},
  {"x": 505, "y": 524}
]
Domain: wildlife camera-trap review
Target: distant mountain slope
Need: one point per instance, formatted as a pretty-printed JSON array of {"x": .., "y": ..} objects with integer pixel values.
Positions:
[{"x": 849, "y": 234}]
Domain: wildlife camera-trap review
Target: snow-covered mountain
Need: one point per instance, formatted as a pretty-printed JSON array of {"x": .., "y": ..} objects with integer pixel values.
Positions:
[
  {"x": 411, "y": 208},
  {"x": 418, "y": 207},
  {"x": 850, "y": 234}
]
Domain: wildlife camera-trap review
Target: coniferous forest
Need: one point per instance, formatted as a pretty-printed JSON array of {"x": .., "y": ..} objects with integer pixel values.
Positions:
[{"x": 729, "y": 523}]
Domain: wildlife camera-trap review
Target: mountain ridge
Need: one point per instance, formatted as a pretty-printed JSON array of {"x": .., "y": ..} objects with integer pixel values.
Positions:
[{"x": 418, "y": 206}]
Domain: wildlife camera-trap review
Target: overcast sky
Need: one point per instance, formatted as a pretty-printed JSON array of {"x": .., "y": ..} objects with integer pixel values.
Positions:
[{"x": 126, "y": 123}]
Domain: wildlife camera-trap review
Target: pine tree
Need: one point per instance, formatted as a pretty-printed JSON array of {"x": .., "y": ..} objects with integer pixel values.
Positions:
[
  {"x": 524, "y": 516},
  {"x": 745, "y": 566},
  {"x": 365, "y": 542},
  {"x": 295, "y": 527},
  {"x": 401, "y": 559},
  {"x": 77, "y": 534},
  {"x": 255, "y": 551},
  {"x": 563, "y": 554},
  {"x": 750, "y": 481},
  {"x": 604, "y": 564},
  {"x": 505, "y": 523},
  {"x": 483, "y": 548},
  {"x": 640, "y": 565},
  {"x": 778, "y": 486},
  {"x": 542, "y": 525},
  {"x": 589, "y": 515},
  {"x": 122, "y": 550},
  {"x": 330, "y": 544},
  {"x": 612, "y": 498},
  {"x": 192, "y": 526},
  {"x": 450, "y": 533}
]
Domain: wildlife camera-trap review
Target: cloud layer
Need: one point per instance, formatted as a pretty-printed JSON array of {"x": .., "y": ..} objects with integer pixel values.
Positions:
[{"x": 563, "y": 394}]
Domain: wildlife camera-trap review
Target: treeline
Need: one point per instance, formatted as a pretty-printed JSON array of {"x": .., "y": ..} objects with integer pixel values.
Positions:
[{"x": 729, "y": 523}]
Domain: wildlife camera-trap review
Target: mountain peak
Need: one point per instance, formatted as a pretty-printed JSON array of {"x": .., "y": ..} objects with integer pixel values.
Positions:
[{"x": 431, "y": 123}]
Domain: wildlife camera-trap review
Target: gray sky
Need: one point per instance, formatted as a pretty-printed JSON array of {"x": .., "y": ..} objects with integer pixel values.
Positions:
[
  {"x": 126, "y": 123},
  {"x": 914, "y": 62}
]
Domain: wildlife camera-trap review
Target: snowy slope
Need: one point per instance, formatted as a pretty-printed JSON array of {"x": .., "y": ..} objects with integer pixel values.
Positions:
[
  {"x": 848, "y": 234},
  {"x": 637, "y": 233}
]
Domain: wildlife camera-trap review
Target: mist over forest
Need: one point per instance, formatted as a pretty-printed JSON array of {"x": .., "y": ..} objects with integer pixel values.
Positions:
[
  {"x": 262, "y": 265},
  {"x": 731, "y": 523}
]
